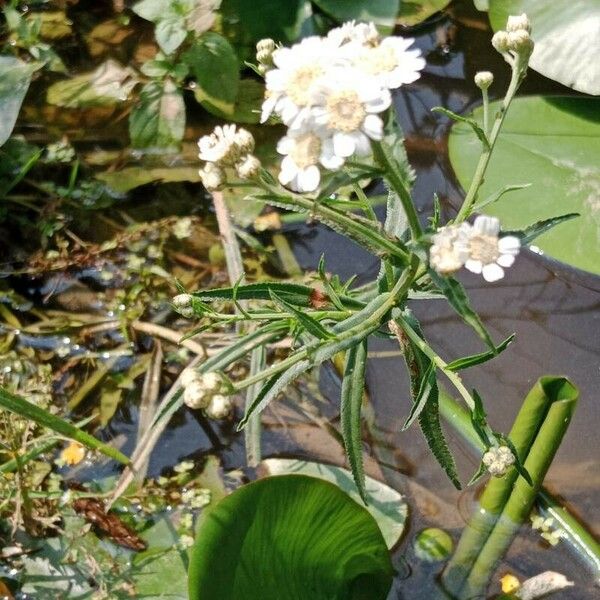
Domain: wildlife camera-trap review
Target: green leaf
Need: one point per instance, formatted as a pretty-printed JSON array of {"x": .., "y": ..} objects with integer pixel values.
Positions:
[
  {"x": 309, "y": 323},
  {"x": 413, "y": 12},
  {"x": 26, "y": 409},
  {"x": 530, "y": 233},
  {"x": 289, "y": 536},
  {"x": 497, "y": 195},
  {"x": 170, "y": 34},
  {"x": 474, "y": 125},
  {"x": 132, "y": 177},
  {"x": 387, "y": 506},
  {"x": 479, "y": 420},
  {"x": 567, "y": 44},
  {"x": 552, "y": 142},
  {"x": 381, "y": 12},
  {"x": 427, "y": 390},
  {"x": 247, "y": 106},
  {"x": 15, "y": 76},
  {"x": 477, "y": 359},
  {"x": 458, "y": 299},
  {"x": 107, "y": 85},
  {"x": 158, "y": 119},
  {"x": 353, "y": 387},
  {"x": 214, "y": 64}
]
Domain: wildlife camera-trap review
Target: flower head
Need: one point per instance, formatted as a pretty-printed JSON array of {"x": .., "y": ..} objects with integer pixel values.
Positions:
[
  {"x": 195, "y": 395},
  {"x": 220, "y": 146},
  {"x": 450, "y": 248},
  {"x": 489, "y": 254},
  {"x": 248, "y": 167},
  {"x": 363, "y": 34},
  {"x": 483, "y": 79},
  {"x": 219, "y": 408},
  {"x": 498, "y": 460}
]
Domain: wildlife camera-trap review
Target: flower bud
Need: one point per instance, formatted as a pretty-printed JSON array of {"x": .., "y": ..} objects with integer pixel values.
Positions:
[
  {"x": 520, "y": 42},
  {"x": 248, "y": 167},
  {"x": 517, "y": 23},
  {"x": 498, "y": 460},
  {"x": 188, "y": 376},
  {"x": 264, "y": 57},
  {"x": 483, "y": 79},
  {"x": 244, "y": 140},
  {"x": 219, "y": 408},
  {"x": 211, "y": 381},
  {"x": 500, "y": 41},
  {"x": 212, "y": 176},
  {"x": 182, "y": 301},
  {"x": 266, "y": 45},
  {"x": 195, "y": 396}
]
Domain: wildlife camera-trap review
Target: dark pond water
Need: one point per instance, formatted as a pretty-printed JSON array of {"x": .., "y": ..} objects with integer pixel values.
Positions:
[{"x": 553, "y": 310}]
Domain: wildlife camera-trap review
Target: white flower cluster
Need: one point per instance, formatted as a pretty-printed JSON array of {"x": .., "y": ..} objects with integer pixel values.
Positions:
[
  {"x": 227, "y": 147},
  {"x": 477, "y": 247},
  {"x": 201, "y": 391},
  {"x": 183, "y": 305},
  {"x": 516, "y": 38},
  {"x": 329, "y": 92},
  {"x": 498, "y": 460}
]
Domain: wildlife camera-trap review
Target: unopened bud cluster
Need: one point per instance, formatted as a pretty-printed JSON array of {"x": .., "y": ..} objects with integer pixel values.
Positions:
[
  {"x": 183, "y": 305},
  {"x": 264, "y": 55},
  {"x": 484, "y": 79},
  {"x": 227, "y": 147},
  {"x": 202, "y": 391},
  {"x": 516, "y": 38},
  {"x": 498, "y": 460}
]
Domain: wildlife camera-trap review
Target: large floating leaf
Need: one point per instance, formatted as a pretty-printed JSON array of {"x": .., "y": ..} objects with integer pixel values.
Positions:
[
  {"x": 387, "y": 506},
  {"x": 552, "y": 143},
  {"x": 15, "y": 76},
  {"x": 566, "y": 35},
  {"x": 290, "y": 536},
  {"x": 413, "y": 12}
]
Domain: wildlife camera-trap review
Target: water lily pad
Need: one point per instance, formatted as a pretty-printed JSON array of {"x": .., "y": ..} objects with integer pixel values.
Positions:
[
  {"x": 387, "y": 506},
  {"x": 554, "y": 144},
  {"x": 566, "y": 35}
]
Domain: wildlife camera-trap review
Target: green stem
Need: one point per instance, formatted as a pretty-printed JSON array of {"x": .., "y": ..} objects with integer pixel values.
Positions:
[
  {"x": 383, "y": 156},
  {"x": 484, "y": 159},
  {"x": 352, "y": 227},
  {"x": 253, "y": 428},
  {"x": 486, "y": 111}
]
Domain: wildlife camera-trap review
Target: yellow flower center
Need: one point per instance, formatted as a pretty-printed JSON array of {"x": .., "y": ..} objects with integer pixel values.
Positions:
[
  {"x": 381, "y": 59},
  {"x": 300, "y": 82},
  {"x": 346, "y": 111},
  {"x": 484, "y": 248},
  {"x": 306, "y": 151}
]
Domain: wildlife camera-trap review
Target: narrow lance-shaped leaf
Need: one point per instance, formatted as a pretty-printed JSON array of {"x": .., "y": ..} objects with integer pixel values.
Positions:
[
  {"x": 477, "y": 359},
  {"x": 427, "y": 388},
  {"x": 309, "y": 323},
  {"x": 26, "y": 409},
  {"x": 529, "y": 234},
  {"x": 458, "y": 299},
  {"x": 353, "y": 386},
  {"x": 471, "y": 122}
]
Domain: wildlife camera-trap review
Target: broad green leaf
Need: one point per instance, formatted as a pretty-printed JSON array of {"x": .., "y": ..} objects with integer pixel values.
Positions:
[
  {"x": 247, "y": 105},
  {"x": 15, "y": 76},
  {"x": 28, "y": 410},
  {"x": 128, "y": 179},
  {"x": 457, "y": 298},
  {"x": 107, "y": 85},
  {"x": 553, "y": 143},
  {"x": 158, "y": 119},
  {"x": 477, "y": 359},
  {"x": 170, "y": 34},
  {"x": 289, "y": 536},
  {"x": 353, "y": 388},
  {"x": 566, "y": 35},
  {"x": 214, "y": 64},
  {"x": 413, "y": 12},
  {"x": 382, "y": 12},
  {"x": 387, "y": 506}
]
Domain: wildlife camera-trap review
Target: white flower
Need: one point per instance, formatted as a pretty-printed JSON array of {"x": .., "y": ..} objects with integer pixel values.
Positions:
[
  {"x": 290, "y": 85},
  {"x": 212, "y": 176},
  {"x": 498, "y": 460},
  {"x": 182, "y": 301},
  {"x": 347, "y": 109},
  {"x": 391, "y": 62},
  {"x": 248, "y": 167},
  {"x": 211, "y": 381},
  {"x": 488, "y": 253},
  {"x": 220, "y": 407},
  {"x": 220, "y": 146},
  {"x": 304, "y": 152},
  {"x": 188, "y": 376},
  {"x": 364, "y": 34},
  {"x": 450, "y": 248},
  {"x": 195, "y": 395},
  {"x": 244, "y": 141},
  {"x": 518, "y": 22},
  {"x": 500, "y": 41}
]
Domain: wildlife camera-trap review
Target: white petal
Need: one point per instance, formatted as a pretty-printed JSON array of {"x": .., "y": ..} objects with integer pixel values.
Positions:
[
  {"x": 379, "y": 103},
  {"x": 344, "y": 144},
  {"x": 487, "y": 225},
  {"x": 275, "y": 79},
  {"x": 289, "y": 170},
  {"x": 285, "y": 145},
  {"x": 492, "y": 272},
  {"x": 309, "y": 178},
  {"x": 373, "y": 127},
  {"x": 506, "y": 260},
  {"x": 329, "y": 158},
  {"x": 363, "y": 145},
  {"x": 509, "y": 244},
  {"x": 474, "y": 266}
]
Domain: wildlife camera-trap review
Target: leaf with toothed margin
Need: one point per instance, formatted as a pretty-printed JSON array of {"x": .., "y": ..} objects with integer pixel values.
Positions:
[{"x": 478, "y": 359}]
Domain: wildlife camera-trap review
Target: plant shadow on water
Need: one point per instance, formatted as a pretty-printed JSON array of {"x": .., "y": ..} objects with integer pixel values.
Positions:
[{"x": 553, "y": 310}]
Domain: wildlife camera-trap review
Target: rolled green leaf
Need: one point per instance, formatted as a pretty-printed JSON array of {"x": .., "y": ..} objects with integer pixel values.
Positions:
[{"x": 27, "y": 410}]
